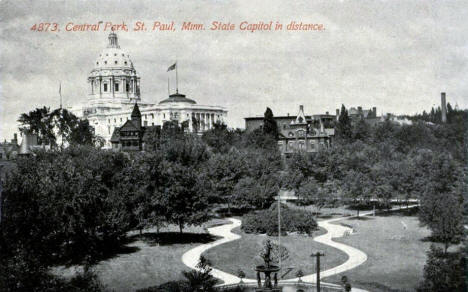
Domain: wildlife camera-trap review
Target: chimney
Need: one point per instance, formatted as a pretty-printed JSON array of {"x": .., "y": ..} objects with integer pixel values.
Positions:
[
  {"x": 374, "y": 111},
  {"x": 301, "y": 108},
  {"x": 443, "y": 107},
  {"x": 337, "y": 114}
]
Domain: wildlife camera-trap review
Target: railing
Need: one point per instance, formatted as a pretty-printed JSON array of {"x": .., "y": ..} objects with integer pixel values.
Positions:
[{"x": 325, "y": 287}]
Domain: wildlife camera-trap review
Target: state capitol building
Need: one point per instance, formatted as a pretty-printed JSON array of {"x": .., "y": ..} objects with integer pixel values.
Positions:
[{"x": 114, "y": 89}]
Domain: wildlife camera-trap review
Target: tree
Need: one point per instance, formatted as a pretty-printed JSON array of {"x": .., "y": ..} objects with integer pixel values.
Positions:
[
  {"x": 299, "y": 275},
  {"x": 38, "y": 122},
  {"x": 443, "y": 272},
  {"x": 443, "y": 214},
  {"x": 57, "y": 127},
  {"x": 250, "y": 193},
  {"x": 219, "y": 138},
  {"x": 201, "y": 279},
  {"x": 343, "y": 127},
  {"x": 358, "y": 188},
  {"x": 225, "y": 171},
  {"x": 269, "y": 124},
  {"x": 183, "y": 193},
  {"x": 241, "y": 275},
  {"x": 311, "y": 192}
]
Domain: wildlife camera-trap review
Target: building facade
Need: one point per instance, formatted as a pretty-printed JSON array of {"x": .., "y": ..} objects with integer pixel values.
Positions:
[
  {"x": 114, "y": 88},
  {"x": 299, "y": 133}
]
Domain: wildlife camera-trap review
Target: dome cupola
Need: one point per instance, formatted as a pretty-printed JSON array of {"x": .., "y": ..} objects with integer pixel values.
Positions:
[{"x": 114, "y": 79}]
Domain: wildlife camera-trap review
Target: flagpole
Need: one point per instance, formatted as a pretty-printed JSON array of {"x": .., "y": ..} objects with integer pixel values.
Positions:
[
  {"x": 168, "y": 91},
  {"x": 279, "y": 229},
  {"x": 60, "y": 93},
  {"x": 176, "y": 78}
]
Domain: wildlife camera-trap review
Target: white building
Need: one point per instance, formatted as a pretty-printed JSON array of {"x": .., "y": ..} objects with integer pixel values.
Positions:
[{"x": 114, "y": 88}]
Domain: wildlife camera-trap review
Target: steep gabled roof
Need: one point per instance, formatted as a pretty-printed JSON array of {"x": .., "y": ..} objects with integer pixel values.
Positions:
[
  {"x": 129, "y": 126},
  {"x": 115, "y": 135},
  {"x": 136, "y": 112}
]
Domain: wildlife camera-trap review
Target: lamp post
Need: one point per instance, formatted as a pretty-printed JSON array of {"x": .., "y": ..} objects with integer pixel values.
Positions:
[{"x": 318, "y": 255}]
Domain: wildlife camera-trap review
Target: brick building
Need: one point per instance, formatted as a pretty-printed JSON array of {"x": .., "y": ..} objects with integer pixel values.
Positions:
[{"x": 299, "y": 133}]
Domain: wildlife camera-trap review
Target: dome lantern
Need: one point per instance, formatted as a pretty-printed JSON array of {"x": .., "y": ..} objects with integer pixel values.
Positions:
[{"x": 113, "y": 41}]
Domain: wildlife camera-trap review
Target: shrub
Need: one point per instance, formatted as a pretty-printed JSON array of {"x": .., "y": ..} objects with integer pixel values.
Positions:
[{"x": 266, "y": 221}]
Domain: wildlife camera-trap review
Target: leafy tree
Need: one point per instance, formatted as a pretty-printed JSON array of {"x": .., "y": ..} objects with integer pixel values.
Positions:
[
  {"x": 358, "y": 188},
  {"x": 201, "y": 279},
  {"x": 443, "y": 272},
  {"x": 443, "y": 213},
  {"x": 343, "y": 127},
  {"x": 250, "y": 193},
  {"x": 225, "y": 171},
  {"x": 219, "y": 138},
  {"x": 57, "y": 127},
  {"x": 183, "y": 193},
  {"x": 269, "y": 124}
]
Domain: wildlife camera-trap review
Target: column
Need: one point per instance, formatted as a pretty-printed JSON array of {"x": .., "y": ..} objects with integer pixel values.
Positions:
[
  {"x": 112, "y": 85},
  {"x": 100, "y": 86}
]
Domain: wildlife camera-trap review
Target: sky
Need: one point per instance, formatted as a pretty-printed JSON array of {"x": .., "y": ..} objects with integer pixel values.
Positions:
[{"x": 395, "y": 55}]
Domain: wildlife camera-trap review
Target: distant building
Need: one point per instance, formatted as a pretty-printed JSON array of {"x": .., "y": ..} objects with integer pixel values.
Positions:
[
  {"x": 299, "y": 133},
  {"x": 114, "y": 87},
  {"x": 132, "y": 136},
  {"x": 9, "y": 150}
]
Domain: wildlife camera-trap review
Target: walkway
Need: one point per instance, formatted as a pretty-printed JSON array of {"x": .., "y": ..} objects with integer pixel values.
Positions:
[{"x": 355, "y": 256}]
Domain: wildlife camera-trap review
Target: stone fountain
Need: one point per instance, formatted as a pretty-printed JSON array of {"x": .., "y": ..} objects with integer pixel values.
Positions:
[{"x": 267, "y": 269}]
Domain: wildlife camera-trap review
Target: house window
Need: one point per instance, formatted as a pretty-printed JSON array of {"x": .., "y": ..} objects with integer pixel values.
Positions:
[
  {"x": 116, "y": 86},
  {"x": 145, "y": 123},
  {"x": 105, "y": 87},
  {"x": 145, "y": 116},
  {"x": 108, "y": 121}
]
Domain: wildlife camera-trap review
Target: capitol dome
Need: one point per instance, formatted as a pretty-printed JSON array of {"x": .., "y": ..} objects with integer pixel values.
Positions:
[{"x": 113, "y": 78}]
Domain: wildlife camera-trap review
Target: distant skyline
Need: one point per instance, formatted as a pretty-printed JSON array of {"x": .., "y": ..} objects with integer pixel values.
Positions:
[{"x": 395, "y": 55}]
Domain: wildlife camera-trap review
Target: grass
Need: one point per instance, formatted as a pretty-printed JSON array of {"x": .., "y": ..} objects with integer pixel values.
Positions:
[
  {"x": 151, "y": 259},
  {"x": 396, "y": 250},
  {"x": 243, "y": 254}
]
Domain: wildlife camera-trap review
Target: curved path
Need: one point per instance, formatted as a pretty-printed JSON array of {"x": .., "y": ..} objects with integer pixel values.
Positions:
[{"x": 355, "y": 256}]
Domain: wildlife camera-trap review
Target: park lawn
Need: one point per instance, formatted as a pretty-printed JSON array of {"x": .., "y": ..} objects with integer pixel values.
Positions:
[
  {"x": 244, "y": 254},
  {"x": 396, "y": 252},
  {"x": 148, "y": 260}
]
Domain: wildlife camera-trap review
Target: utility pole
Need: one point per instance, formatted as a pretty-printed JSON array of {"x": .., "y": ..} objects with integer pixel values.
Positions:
[{"x": 318, "y": 255}]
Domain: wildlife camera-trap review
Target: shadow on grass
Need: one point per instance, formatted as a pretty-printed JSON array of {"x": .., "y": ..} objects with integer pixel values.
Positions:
[
  {"x": 361, "y": 218},
  {"x": 168, "y": 238},
  {"x": 403, "y": 212}
]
